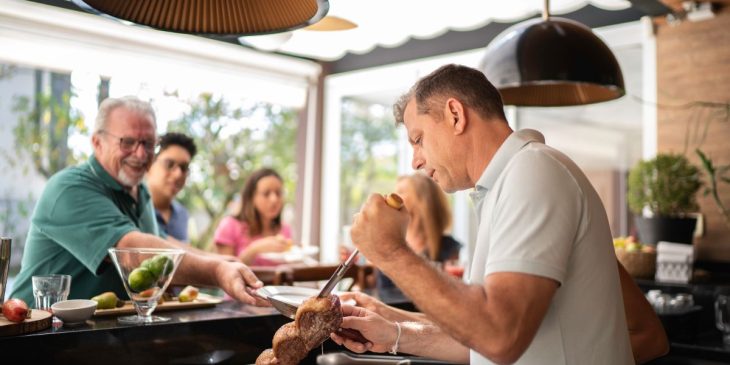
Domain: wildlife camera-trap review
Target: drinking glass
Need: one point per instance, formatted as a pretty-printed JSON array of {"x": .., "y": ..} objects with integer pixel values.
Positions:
[
  {"x": 145, "y": 273},
  {"x": 49, "y": 289},
  {"x": 722, "y": 316}
]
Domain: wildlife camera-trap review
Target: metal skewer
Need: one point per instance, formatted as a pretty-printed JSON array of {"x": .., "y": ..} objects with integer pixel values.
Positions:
[{"x": 395, "y": 202}]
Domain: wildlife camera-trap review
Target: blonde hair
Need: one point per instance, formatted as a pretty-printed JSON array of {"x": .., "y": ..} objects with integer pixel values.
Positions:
[{"x": 431, "y": 212}]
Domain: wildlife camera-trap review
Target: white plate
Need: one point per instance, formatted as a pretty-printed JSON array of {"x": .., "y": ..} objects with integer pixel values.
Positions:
[
  {"x": 293, "y": 295},
  {"x": 296, "y": 254}
]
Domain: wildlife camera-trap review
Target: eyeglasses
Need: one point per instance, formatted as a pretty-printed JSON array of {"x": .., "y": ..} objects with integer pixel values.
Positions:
[
  {"x": 169, "y": 165},
  {"x": 129, "y": 144}
]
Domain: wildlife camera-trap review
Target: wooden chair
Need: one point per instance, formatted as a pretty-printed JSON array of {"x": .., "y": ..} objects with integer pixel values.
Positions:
[
  {"x": 270, "y": 275},
  {"x": 294, "y": 274}
]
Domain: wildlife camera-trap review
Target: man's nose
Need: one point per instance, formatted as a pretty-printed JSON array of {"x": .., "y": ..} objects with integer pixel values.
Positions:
[
  {"x": 417, "y": 162},
  {"x": 177, "y": 171},
  {"x": 140, "y": 151}
]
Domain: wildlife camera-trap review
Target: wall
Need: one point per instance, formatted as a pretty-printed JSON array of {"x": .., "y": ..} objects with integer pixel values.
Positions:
[{"x": 693, "y": 65}]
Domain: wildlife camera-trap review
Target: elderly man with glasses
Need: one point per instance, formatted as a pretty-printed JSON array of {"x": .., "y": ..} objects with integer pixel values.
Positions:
[
  {"x": 86, "y": 209},
  {"x": 165, "y": 179}
]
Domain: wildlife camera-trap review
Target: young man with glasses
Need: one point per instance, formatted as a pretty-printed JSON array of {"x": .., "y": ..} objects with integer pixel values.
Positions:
[
  {"x": 167, "y": 176},
  {"x": 86, "y": 209}
]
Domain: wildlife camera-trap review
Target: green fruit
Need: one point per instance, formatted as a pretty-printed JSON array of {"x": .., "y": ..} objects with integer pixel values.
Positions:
[
  {"x": 106, "y": 300},
  {"x": 159, "y": 265},
  {"x": 141, "y": 279}
]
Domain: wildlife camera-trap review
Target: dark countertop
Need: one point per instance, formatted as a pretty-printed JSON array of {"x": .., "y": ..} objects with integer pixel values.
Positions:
[
  {"x": 230, "y": 332},
  {"x": 693, "y": 337},
  {"x": 235, "y": 333}
]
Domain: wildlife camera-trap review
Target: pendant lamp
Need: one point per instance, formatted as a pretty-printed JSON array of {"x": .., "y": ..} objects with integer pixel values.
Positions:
[
  {"x": 552, "y": 62},
  {"x": 213, "y": 17}
]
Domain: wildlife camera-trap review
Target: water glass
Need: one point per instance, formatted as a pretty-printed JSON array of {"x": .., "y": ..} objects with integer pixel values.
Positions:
[
  {"x": 49, "y": 289},
  {"x": 722, "y": 316}
]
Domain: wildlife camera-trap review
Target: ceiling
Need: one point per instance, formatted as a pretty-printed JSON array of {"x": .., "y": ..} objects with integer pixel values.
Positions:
[
  {"x": 390, "y": 31},
  {"x": 388, "y": 23}
]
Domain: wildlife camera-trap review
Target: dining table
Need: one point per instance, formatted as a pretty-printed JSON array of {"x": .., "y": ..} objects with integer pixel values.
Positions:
[{"x": 229, "y": 332}]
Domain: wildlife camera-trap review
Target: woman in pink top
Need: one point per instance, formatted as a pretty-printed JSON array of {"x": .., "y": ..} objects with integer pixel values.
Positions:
[{"x": 257, "y": 227}]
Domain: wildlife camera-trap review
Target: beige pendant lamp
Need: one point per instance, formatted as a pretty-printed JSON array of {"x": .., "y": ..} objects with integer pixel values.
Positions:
[
  {"x": 552, "y": 62},
  {"x": 213, "y": 17}
]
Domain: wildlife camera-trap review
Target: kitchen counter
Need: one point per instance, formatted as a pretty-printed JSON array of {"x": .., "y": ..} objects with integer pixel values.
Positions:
[
  {"x": 230, "y": 332},
  {"x": 693, "y": 338},
  {"x": 235, "y": 333}
]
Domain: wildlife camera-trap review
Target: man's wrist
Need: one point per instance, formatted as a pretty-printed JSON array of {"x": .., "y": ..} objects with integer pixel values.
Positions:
[{"x": 394, "y": 348}]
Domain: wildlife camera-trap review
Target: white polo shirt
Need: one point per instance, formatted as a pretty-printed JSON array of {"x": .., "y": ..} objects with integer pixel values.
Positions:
[{"x": 539, "y": 215}]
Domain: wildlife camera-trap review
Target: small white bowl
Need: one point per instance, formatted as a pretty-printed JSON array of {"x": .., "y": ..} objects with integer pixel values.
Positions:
[{"x": 74, "y": 310}]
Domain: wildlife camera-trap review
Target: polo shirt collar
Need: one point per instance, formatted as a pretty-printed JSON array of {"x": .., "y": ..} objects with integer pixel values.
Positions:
[
  {"x": 104, "y": 175},
  {"x": 513, "y": 144}
]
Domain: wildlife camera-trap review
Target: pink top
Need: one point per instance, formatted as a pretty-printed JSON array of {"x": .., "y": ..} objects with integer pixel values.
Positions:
[{"x": 234, "y": 233}]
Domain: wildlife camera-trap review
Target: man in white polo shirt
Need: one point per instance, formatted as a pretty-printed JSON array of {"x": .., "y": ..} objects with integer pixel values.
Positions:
[{"x": 543, "y": 284}]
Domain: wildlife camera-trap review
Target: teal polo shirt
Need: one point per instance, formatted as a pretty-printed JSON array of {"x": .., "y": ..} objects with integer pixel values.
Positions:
[{"x": 81, "y": 213}]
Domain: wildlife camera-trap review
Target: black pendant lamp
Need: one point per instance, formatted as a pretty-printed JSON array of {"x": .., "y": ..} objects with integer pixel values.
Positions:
[
  {"x": 213, "y": 17},
  {"x": 552, "y": 62}
]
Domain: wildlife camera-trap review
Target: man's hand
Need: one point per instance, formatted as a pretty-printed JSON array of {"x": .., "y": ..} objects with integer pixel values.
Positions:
[
  {"x": 390, "y": 313},
  {"x": 364, "y": 301},
  {"x": 380, "y": 332},
  {"x": 379, "y": 230},
  {"x": 234, "y": 278}
]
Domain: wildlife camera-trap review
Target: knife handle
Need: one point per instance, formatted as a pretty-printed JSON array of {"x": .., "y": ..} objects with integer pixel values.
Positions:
[{"x": 352, "y": 334}]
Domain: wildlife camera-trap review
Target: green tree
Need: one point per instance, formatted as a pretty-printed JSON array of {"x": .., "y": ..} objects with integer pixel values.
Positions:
[
  {"x": 233, "y": 142},
  {"x": 366, "y": 168},
  {"x": 44, "y": 126},
  {"x": 45, "y": 122}
]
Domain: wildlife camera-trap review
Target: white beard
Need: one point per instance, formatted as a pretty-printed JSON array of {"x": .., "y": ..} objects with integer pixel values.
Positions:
[{"x": 128, "y": 181}]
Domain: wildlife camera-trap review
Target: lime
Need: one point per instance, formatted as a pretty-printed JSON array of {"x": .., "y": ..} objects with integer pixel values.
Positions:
[
  {"x": 140, "y": 279},
  {"x": 159, "y": 265},
  {"x": 147, "y": 263}
]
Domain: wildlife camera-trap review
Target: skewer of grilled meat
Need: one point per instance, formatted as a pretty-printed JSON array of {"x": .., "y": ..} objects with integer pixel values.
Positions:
[{"x": 316, "y": 318}]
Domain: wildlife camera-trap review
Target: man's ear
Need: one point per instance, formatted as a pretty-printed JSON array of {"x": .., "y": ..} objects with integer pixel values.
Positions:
[
  {"x": 456, "y": 115},
  {"x": 95, "y": 143}
]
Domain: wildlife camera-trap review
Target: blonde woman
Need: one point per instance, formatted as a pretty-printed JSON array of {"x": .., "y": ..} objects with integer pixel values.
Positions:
[{"x": 430, "y": 220}]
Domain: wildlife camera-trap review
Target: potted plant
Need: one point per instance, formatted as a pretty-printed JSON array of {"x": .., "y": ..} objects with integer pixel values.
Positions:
[{"x": 662, "y": 195}]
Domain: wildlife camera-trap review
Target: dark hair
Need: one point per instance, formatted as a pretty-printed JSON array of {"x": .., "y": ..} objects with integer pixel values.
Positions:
[
  {"x": 177, "y": 139},
  {"x": 248, "y": 213},
  {"x": 466, "y": 84}
]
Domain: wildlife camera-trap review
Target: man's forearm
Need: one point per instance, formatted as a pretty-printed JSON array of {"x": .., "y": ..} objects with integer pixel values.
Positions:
[
  {"x": 193, "y": 269},
  {"x": 400, "y": 315},
  {"x": 427, "y": 340},
  {"x": 419, "y": 282},
  {"x": 190, "y": 248}
]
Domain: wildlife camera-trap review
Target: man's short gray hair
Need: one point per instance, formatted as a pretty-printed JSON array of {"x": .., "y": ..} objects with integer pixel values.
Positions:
[
  {"x": 129, "y": 102},
  {"x": 468, "y": 85}
]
